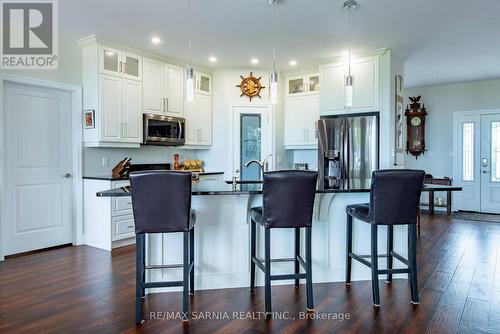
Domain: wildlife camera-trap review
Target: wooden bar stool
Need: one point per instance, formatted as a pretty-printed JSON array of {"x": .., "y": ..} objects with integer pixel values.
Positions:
[
  {"x": 161, "y": 202},
  {"x": 288, "y": 200},
  {"x": 394, "y": 200}
]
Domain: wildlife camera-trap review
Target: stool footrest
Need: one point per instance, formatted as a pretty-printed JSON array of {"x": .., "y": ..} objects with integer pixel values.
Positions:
[
  {"x": 150, "y": 285},
  {"x": 164, "y": 266},
  {"x": 399, "y": 257},
  {"x": 287, "y": 276}
]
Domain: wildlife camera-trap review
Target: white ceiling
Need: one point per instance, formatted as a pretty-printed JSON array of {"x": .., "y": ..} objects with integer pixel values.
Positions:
[{"x": 438, "y": 40}]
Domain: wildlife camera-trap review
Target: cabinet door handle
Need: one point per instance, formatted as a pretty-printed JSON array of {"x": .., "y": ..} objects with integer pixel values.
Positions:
[
  {"x": 121, "y": 65},
  {"x": 316, "y": 130},
  {"x": 124, "y": 67},
  {"x": 166, "y": 108},
  {"x": 163, "y": 104}
]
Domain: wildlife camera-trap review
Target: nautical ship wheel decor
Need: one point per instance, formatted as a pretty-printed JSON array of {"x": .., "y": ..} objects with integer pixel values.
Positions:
[{"x": 250, "y": 86}]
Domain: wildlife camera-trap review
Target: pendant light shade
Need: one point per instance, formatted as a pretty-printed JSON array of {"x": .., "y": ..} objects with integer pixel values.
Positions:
[
  {"x": 349, "y": 91},
  {"x": 274, "y": 87},
  {"x": 189, "y": 84}
]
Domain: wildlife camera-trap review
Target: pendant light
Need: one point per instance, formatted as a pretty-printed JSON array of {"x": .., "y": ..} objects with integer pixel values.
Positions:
[
  {"x": 189, "y": 70},
  {"x": 349, "y": 5},
  {"x": 274, "y": 75}
]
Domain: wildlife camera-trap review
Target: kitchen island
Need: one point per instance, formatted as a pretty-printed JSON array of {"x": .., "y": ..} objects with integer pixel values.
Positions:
[{"x": 222, "y": 235}]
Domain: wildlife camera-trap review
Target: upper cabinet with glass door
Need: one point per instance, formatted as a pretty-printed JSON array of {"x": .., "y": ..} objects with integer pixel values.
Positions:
[
  {"x": 302, "y": 84},
  {"x": 203, "y": 83},
  {"x": 120, "y": 63}
]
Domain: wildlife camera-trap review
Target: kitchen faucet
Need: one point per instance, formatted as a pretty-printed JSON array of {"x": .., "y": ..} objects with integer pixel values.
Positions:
[{"x": 262, "y": 164}]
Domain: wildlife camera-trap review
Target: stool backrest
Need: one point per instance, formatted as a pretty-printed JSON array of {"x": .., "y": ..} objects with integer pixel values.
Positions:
[
  {"x": 288, "y": 198},
  {"x": 395, "y": 196},
  {"x": 161, "y": 201}
]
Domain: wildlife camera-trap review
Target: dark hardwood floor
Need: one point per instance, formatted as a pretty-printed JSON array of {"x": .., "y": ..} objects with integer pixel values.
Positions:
[{"x": 86, "y": 290}]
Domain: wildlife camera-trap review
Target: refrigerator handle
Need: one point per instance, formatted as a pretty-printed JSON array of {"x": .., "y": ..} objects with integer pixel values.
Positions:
[{"x": 345, "y": 159}]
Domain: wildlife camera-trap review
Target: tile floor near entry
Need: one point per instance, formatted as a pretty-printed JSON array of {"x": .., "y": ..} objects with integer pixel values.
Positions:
[{"x": 86, "y": 290}]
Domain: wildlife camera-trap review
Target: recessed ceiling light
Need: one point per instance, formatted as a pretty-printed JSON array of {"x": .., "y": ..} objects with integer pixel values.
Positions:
[
  {"x": 155, "y": 40},
  {"x": 293, "y": 62},
  {"x": 212, "y": 59},
  {"x": 254, "y": 61}
]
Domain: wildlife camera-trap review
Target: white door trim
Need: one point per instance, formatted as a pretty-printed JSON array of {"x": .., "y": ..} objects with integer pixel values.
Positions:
[
  {"x": 77, "y": 130},
  {"x": 456, "y": 145}
]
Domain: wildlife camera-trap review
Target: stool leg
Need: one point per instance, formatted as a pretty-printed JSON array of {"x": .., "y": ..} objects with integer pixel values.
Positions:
[
  {"x": 309, "y": 286},
  {"x": 267, "y": 273},
  {"x": 374, "y": 266},
  {"x": 139, "y": 249},
  {"x": 191, "y": 261},
  {"x": 185, "y": 279},
  {"x": 348, "y": 250},
  {"x": 412, "y": 259},
  {"x": 252, "y": 254},
  {"x": 297, "y": 253},
  {"x": 143, "y": 291},
  {"x": 390, "y": 248}
]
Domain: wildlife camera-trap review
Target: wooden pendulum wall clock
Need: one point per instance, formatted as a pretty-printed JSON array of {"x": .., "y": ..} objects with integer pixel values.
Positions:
[{"x": 415, "y": 125}]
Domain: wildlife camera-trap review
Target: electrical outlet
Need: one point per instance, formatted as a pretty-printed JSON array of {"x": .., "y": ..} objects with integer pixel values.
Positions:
[
  {"x": 278, "y": 160},
  {"x": 105, "y": 161}
]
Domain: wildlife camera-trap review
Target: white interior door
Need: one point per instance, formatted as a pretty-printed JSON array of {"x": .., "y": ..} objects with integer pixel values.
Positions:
[
  {"x": 38, "y": 165},
  {"x": 252, "y": 140},
  {"x": 490, "y": 163}
]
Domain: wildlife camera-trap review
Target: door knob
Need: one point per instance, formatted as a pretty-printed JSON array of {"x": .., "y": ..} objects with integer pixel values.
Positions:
[{"x": 67, "y": 175}]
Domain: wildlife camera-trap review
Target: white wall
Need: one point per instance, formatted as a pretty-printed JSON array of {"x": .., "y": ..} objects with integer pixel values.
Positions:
[
  {"x": 70, "y": 66},
  {"x": 441, "y": 102}
]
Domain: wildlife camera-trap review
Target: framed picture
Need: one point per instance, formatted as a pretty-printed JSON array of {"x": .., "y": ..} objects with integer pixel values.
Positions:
[{"x": 89, "y": 118}]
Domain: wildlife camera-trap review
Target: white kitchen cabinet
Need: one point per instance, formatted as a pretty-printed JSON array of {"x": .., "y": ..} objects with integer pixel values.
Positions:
[
  {"x": 120, "y": 63},
  {"x": 203, "y": 83},
  {"x": 302, "y": 84},
  {"x": 301, "y": 117},
  {"x": 301, "y": 111},
  {"x": 295, "y": 109},
  {"x": 112, "y": 89},
  {"x": 131, "y": 111},
  {"x": 199, "y": 121},
  {"x": 154, "y": 91},
  {"x": 163, "y": 88},
  {"x": 110, "y": 110},
  {"x": 108, "y": 222},
  {"x": 120, "y": 110},
  {"x": 175, "y": 90},
  {"x": 312, "y": 117},
  {"x": 365, "y": 71}
]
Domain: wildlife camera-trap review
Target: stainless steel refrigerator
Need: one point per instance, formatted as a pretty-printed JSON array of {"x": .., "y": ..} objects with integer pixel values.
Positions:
[{"x": 348, "y": 149}]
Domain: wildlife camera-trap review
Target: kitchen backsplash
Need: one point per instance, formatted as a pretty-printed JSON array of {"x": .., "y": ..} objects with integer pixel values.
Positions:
[{"x": 94, "y": 159}]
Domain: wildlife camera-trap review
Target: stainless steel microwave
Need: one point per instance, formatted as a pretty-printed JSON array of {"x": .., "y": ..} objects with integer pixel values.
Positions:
[{"x": 163, "y": 130}]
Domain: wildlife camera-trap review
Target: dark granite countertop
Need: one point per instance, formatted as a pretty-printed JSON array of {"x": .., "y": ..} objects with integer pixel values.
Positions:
[
  {"x": 110, "y": 178},
  {"x": 217, "y": 187}
]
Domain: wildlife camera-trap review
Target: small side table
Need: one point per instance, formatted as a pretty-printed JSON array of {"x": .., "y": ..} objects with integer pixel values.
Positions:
[{"x": 446, "y": 181}]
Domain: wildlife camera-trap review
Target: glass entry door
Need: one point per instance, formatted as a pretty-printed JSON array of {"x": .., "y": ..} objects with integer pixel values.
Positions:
[
  {"x": 489, "y": 163},
  {"x": 477, "y": 162}
]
